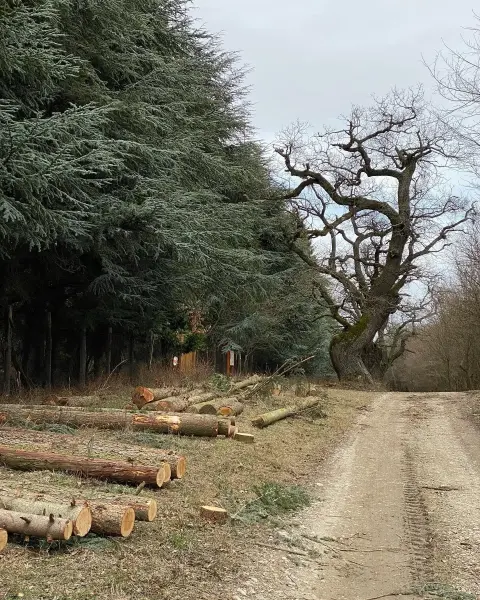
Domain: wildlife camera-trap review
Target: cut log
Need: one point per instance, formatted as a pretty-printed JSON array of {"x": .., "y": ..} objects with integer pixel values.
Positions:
[
  {"x": 48, "y": 526},
  {"x": 225, "y": 427},
  {"x": 246, "y": 438},
  {"x": 111, "y": 470},
  {"x": 170, "y": 404},
  {"x": 145, "y": 509},
  {"x": 200, "y": 399},
  {"x": 203, "y": 408},
  {"x": 79, "y": 514},
  {"x": 214, "y": 514},
  {"x": 177, "y": 463},
  {"x": 110, "y": 518},
  {"x": 227, "y": 407},
  {"x": 178, "y": 423},
  {"x": 253, "y": 380},
  {"x": 3, "y": 539},
  {"x": 282, "y": 413},
  {"x": 142, "y": 395}
]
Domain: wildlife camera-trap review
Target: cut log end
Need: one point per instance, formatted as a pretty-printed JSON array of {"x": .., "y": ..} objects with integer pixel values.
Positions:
[
  {"x": 161, "y": 475},
  {"x": 128, "y": 522},
  {"x": 180, "y": 468},
  {"x": 3, "y": 539},
  {"x": 152, "y": 510},
  {"x": 142, "y": 396},
  {"x": 83, "y": 522},
  {"x": 168, "y": 472},
  {"x": 246, "y": 438},
  {"x": 214, "y": 514}
]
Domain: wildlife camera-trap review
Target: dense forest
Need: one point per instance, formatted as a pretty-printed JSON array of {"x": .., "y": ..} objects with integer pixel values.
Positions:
[{"x": 136, "y": 200}]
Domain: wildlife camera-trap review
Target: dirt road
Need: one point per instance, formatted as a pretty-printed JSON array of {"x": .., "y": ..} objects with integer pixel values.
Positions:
[{"x": 397, "y": 515}]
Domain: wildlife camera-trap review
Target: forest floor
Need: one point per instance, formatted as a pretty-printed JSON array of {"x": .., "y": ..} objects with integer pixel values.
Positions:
[{"x": 394, "y": 483}]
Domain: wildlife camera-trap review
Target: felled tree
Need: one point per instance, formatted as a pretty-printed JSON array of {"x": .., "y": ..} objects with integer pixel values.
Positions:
[{"x": 372, "y": 192}]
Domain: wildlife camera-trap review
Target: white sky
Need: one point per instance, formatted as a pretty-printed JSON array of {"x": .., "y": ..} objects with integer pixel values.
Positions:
[{"x": 312, "y": 59}]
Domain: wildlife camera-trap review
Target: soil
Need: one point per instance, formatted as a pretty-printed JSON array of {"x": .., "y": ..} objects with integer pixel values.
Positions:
[{"x": 397, "y": 512}]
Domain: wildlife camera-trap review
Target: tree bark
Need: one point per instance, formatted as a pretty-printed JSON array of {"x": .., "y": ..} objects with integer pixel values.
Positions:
[
  {"x": 109, "y": 350},
  {"x": 48, "y": 352},
  {"x": 282, "y": 413},
  {"x": 79, "y": 514},
  {"x": 109, "y": 518},
  {"x": 3, "y": 539},
  {"x": 8, "y": 351},
  {"x": 82, "y": 373},
  {"x": 36, "y": 525},
  {"x": 226, "y": 427},
  {"x": 97, "y": 468},
  {"x": 181, "y": 424},
  {"x": 253, "y": 380}
]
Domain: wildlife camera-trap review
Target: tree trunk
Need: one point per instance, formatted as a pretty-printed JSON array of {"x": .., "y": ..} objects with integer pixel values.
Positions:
[
  {"x": 226, "y": 427},
  {"x": 73, "y": 401},
  {"x": 49, "y": 527},
  {"x": 109, "y": 350},
  {"x": 224, "y": 407},
  {"x": 3, "y": 539},
  {"x": 110, "y": 518},
  {"x": 97, "y": 468},
  {"x": 48, "y": 352},
  {"x": 282, "y": 413},
  {"x": 8, "y": 351},
  {"x": 79, "y": 514},
  {"x": 253, "y": 380},
  {"x": 182, "y": 424},
  {"x": 131, "y": 357},
  {"x": 82, "y": 373}
]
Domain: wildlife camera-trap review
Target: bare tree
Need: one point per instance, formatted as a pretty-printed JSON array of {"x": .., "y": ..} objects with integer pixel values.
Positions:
[{"x": 373, "y": 191}]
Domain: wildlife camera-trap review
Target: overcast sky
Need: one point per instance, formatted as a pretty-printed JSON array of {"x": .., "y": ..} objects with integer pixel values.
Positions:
[{"x": 313, "y": 59}]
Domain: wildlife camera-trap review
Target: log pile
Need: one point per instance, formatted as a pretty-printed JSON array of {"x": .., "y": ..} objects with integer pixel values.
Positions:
[{"x": 203, "y": 425}]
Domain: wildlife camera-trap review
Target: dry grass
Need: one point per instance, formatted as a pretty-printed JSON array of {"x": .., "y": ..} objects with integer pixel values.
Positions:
[{"x": 178, "y": 555}]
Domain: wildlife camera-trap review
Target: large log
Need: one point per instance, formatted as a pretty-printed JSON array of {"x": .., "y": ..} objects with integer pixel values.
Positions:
[
  {"x": 224, "y": 407},
  {"x": 145, "y": 509},
  {"x": 111, "y": 518},
  {"x": 44, "y": 526},
  {"x": 3, "y": 539},
  {"x": 170, "y": 404},
  {"x": 142, "y": 395},
  {"x": 79, "y": 514},
  {"x": 282, "y": 413},
  {"x": 178, "y": 423},
  {"x": 200, "y": 398},
  {"x": 111, "y": 470},
  {"x": 226, "y": 427}
]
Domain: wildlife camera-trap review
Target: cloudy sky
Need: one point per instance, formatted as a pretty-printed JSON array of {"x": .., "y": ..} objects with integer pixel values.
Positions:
[{"x": 312, "y": 59}]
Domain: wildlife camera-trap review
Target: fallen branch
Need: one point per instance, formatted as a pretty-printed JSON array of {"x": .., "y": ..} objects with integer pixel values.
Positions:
[{"x": 282, "y": 413}]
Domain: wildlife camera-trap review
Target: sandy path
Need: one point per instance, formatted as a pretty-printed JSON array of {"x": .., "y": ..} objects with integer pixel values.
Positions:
[{"x": 398, "y": 507}]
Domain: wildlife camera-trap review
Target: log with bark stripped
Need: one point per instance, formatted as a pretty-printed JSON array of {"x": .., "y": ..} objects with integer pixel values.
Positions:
[
  {"x": 79, "y": 514},
  {"x": 178, "y": 423},
  {"x": 97, "y": 468},
  {"x": 142, "y": 395},
  {"x": 282, "y": 413},
  {"x": 44, "y": 526},
  {"x": 3, "y": 539}
]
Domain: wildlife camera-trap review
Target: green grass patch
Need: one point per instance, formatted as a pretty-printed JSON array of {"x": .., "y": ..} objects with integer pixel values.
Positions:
[
  {"x": 441, "y": 590},
  {"x": 273, "y": 499}
]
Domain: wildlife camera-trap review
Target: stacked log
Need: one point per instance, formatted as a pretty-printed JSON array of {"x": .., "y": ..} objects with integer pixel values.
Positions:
[
  {"x": 177, "y": 423},
  {"x": 142, "y": 395},
  {"x": 79, "y": 514},
  {"x": 121, "y": 472},
  {"x": 221, "y": 406},
  {"x": 44, "y": 526}
]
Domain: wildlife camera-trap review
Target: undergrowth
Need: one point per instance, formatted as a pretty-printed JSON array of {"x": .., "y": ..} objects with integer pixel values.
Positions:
[
  {"x": 273, "y": 499},
  {"x": 440, "y": 590}
]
